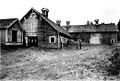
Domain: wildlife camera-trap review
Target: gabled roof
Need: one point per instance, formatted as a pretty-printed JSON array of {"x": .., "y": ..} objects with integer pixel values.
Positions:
[
  {"x": 92, "y": 28},
  {"x": 6, "y": 23},
  {"x": 56, "y": 27}
]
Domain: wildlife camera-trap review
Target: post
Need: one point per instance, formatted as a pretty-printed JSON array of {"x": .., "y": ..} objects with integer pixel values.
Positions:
[
  {"x": 80, "y": 41},
  {"x": 6, "y": 36},
  {"x": 58, "y": 40},
  {"x": 0, "y": 46},
  {"x": 26, "y": 41}
]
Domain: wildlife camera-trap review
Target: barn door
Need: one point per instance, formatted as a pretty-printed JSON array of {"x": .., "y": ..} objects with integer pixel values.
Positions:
[
  {"x": 14, "y": 36},
  {"x": 32, "y": 41},
  {"x": 95, "y": 39}
]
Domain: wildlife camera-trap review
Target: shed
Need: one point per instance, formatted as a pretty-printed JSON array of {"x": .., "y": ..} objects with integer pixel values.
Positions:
[{"x": 11, "y": 32}]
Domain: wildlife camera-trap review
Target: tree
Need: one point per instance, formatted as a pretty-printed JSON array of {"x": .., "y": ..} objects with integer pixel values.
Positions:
[
  {"x": 119, "y": 30},
  {"x": 118, "y": 25}
]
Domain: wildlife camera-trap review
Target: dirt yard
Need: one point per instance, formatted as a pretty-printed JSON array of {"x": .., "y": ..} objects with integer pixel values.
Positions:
[{"x": 30, "y": 64}]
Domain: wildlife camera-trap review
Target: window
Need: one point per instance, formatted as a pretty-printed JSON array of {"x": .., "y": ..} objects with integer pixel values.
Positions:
[
  {"x": 52, "y": 39},
  {"x": 112, "y": 40},
  {"x": 33, "y": 15}
]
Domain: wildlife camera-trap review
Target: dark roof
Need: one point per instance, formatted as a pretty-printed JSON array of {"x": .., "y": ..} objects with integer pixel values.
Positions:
[
  {"x": 6, "y": 23},
  {"x": 56, "y": 27},
  {"x": 106, "y": 28},
  {"x": 92, "y": 28}
]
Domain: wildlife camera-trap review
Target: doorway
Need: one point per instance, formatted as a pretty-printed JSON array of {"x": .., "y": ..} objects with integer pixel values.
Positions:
[
  {"x": 14, "y": 36},
  {"x": 32, "y": 41}
]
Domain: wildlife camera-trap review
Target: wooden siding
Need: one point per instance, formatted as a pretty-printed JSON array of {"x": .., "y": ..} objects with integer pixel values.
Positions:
[
  {"x": 37, "y": 27},
  {"x": 3, "y": 35},
  {"x": 44, "y": 31},
  {"x": 85, "y": 37}
]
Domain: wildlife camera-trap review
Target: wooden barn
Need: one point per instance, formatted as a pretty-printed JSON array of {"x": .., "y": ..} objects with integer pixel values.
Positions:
[
  {"x": 94, "y": 33},
  {"x": 11, "y": 32},
  {"x": 41, "y": 31}
]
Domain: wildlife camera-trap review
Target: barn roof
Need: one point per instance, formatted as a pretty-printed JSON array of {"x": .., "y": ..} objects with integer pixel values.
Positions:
[
  {"x": 106, "y": 28},
  {"x": 56, "y": 27},
  {"x": 6, "y": 23},
  {"x": 92, "y": 28}
]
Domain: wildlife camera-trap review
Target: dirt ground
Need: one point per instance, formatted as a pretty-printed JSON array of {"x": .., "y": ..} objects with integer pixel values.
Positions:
[{"x": 33, "y": 64}]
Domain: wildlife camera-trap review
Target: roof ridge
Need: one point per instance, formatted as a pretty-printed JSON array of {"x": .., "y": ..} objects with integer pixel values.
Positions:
[
  {"x": 9, "y": 18},
  {"x": 63, "y": 31}
]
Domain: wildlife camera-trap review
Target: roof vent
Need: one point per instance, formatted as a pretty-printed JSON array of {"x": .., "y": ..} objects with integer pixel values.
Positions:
[{"x": 67, "y": 23}]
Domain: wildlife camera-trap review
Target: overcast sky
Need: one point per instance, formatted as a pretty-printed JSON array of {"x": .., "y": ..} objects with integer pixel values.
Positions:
[{"x": 76, "y": 11}]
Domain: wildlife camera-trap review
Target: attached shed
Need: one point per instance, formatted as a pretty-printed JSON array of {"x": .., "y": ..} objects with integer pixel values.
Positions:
[
  {"x": 41, "y": 31},
  {"x": 94, "y": 34},
  {"x": 11, "y": 32}
]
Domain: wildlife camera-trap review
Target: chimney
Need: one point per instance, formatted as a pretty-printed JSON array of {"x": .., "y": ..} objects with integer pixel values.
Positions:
[
  {"x": 96, "y": 21},
  {"x": 68, "y": 25},
  {"x": 58, "y": 22},
  {"x": 45, "y": 12}
]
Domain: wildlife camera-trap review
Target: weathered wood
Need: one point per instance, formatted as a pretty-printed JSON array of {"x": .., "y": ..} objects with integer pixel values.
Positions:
[
  {"x": 42, "y": 28},
  {"x": 103, "y": 36},
  {"x": 19, "y": 33}
]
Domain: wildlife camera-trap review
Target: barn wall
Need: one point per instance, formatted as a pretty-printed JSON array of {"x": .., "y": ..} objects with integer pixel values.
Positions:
[
  {"x": 44, "y": 31},
  {"x": 109, "y": 38},
  {"x": 84, "y": 36},
  {"x": 3, "y": 35},
  {"x": 118, "y": 36},
  {"x": 19, "y": 33}
]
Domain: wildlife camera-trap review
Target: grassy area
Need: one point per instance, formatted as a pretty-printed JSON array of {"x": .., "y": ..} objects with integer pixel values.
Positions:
[{"x": 52, "y": 64}]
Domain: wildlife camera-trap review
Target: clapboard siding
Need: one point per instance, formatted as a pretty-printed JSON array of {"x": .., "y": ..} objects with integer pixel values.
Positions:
[{"x": 44, "y": 31}]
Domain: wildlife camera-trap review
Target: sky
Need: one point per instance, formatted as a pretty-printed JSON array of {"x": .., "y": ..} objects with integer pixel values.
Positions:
[{"x": 78, "y": 12}]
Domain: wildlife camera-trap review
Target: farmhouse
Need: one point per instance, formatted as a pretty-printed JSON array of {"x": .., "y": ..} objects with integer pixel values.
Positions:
[
  {"x": 41, "y": 31},
  {"x": 11, "y": 32},
  {"x": 94, "y": 33}
]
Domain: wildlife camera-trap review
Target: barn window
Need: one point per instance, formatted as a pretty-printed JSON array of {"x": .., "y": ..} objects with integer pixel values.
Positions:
[{"x": 52, "y": 39}]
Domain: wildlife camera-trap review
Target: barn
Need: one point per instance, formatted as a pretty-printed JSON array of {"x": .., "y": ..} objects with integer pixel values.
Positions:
[
  {"x": 41, "y": 31},
  {"x": 11, "y": 32},
  {"x": 94, "y": 33}
]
